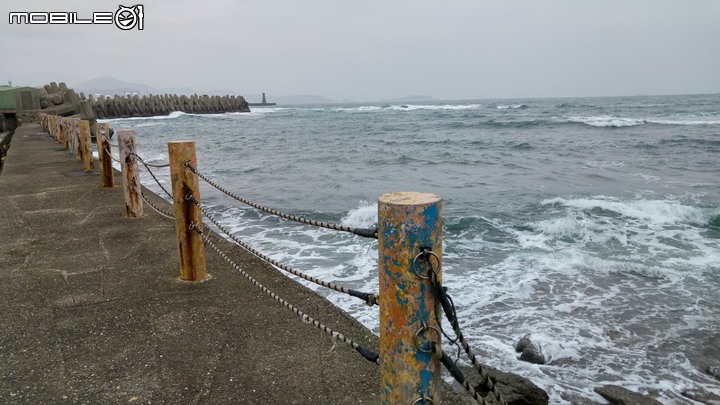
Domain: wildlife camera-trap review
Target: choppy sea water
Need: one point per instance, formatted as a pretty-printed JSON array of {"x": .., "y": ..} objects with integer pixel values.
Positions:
[{"x": 591, "y": 223}]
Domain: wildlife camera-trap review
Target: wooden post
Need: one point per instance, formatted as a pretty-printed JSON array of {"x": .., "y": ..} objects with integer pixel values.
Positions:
[
  {"x": 407, "y": 223},
  {"x": 48, "y": 125},
  {"x": 64, "y": 132},
  {"x": 131, "y": 180},
  {"x": 191, "y": 249},
  {"x": 86, "y": 145},
  {"x": 104, "y": 155},
  {"x": 70, "y": 135},
  {"x": 76, "y": 149},
  {"x": 58, "y": 126}
]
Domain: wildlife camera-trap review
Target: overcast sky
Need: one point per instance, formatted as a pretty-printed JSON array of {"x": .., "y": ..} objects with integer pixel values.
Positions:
[{"x": 373, "y": 49}]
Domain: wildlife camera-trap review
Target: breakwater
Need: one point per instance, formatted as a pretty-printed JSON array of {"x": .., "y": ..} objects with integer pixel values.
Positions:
[
  {"x": 59, "y": 99},
  {"x": 151, "y": 105}
]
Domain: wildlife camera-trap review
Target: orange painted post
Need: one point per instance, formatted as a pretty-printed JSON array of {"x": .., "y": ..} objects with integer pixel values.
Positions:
[
  {"x": 191, "y": 249},
  {"x": 86, "y": 145},
  {"x": 131, "y": 180},
  {"x": 104, "y": 155},
  {"x": 408, "y": 222}
]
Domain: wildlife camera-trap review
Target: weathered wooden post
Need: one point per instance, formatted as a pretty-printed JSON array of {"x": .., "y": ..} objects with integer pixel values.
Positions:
[
  {"x": 76, "y": 149},
  {"x": 131, "y": 180},
  {"x": 104, "y": 154},
  {"x": 48, "y": 122},
  {"x": 57, "y": 126},
  {"x": 86, "y": 145},
  {"x": 64, "y": 132},
  {"x": 70, "y": 135},
  {"x": 191, "y": 249},
  {"x": 408, "y": 224}
]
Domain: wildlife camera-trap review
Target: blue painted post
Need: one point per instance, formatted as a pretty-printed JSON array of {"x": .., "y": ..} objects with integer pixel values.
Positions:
[{"x": 408, "y": 222}]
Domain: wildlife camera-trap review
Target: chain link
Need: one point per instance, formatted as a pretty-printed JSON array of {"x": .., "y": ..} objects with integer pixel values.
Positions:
[
  {"x": 449, "y": 309},
  {"x": 107, "y": 150},
  {"x": 147, "y": 167},
  {"x": 149, "y": 164},
  {"x": 456, "y": 373},
  {"x": 157, "y": 209},
  {"x": 370, "y": 299},
  {"x": 364, "y": 232}
]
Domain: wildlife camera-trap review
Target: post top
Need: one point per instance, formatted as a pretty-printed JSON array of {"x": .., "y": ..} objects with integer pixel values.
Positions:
[
  {"x": 178, "y": 142},
  {"x": 409, "y": 198}
]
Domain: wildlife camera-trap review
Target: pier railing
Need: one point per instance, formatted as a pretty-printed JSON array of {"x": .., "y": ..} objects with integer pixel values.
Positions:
[{"x": 411, "y": 298}]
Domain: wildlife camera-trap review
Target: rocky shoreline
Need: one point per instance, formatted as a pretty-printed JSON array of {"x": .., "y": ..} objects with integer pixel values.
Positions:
[{"x": 531, "y": 351}]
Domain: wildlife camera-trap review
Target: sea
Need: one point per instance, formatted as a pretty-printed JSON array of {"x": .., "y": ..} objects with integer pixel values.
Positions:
[{"x": 592, "y": 224}]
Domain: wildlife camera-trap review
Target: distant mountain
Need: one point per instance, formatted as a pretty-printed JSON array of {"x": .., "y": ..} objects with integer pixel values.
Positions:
[
  {"x": 408, "y": 98},
  {"x": 112, "y": 86}
]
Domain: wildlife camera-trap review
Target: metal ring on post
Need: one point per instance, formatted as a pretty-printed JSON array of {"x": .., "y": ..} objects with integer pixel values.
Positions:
[
  {"x": 417, "y": 335},
  {"x": 423, "y": 253},
  {"x": 193, "y": 226},
  {"x": 423, "y": 399}
]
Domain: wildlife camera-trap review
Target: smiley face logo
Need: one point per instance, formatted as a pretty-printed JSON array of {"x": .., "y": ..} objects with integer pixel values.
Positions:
[{"x": 127, "y": 18}]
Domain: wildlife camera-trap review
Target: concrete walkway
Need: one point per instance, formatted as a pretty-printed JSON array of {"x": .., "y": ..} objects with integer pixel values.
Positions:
[{"x": 93, "y": 312}]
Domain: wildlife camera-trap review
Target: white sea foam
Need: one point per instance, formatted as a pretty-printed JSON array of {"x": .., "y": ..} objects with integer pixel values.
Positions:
[
  {"x": 608, "y": 121},
  {"x": 684, "y": 122},
  {"x": 259, "y": 111},
  {"x": 653, "y": 211},
  {"x": 611, "y": 121},
  {"x": 172, "y": 115},
  {"x": 412, "y": 107},
  {"x": 365, "y": 216},
  {"x": 364, "y": 108},
  {"x": 510, "y": 106},
  {"x": 408, "y": 107}
]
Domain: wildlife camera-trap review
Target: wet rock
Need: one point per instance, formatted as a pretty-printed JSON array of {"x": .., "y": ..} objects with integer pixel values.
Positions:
[
  {"x": 577, "y": 399},
  {"x": 613, "y": 334},
  {"x": 617, "y": 395},
  {"x": 702, "y": 396},
  {"x": 714, "y": 371},
  {"x": 516, "y": 390},
  {"x": 530, "y": 351}
]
